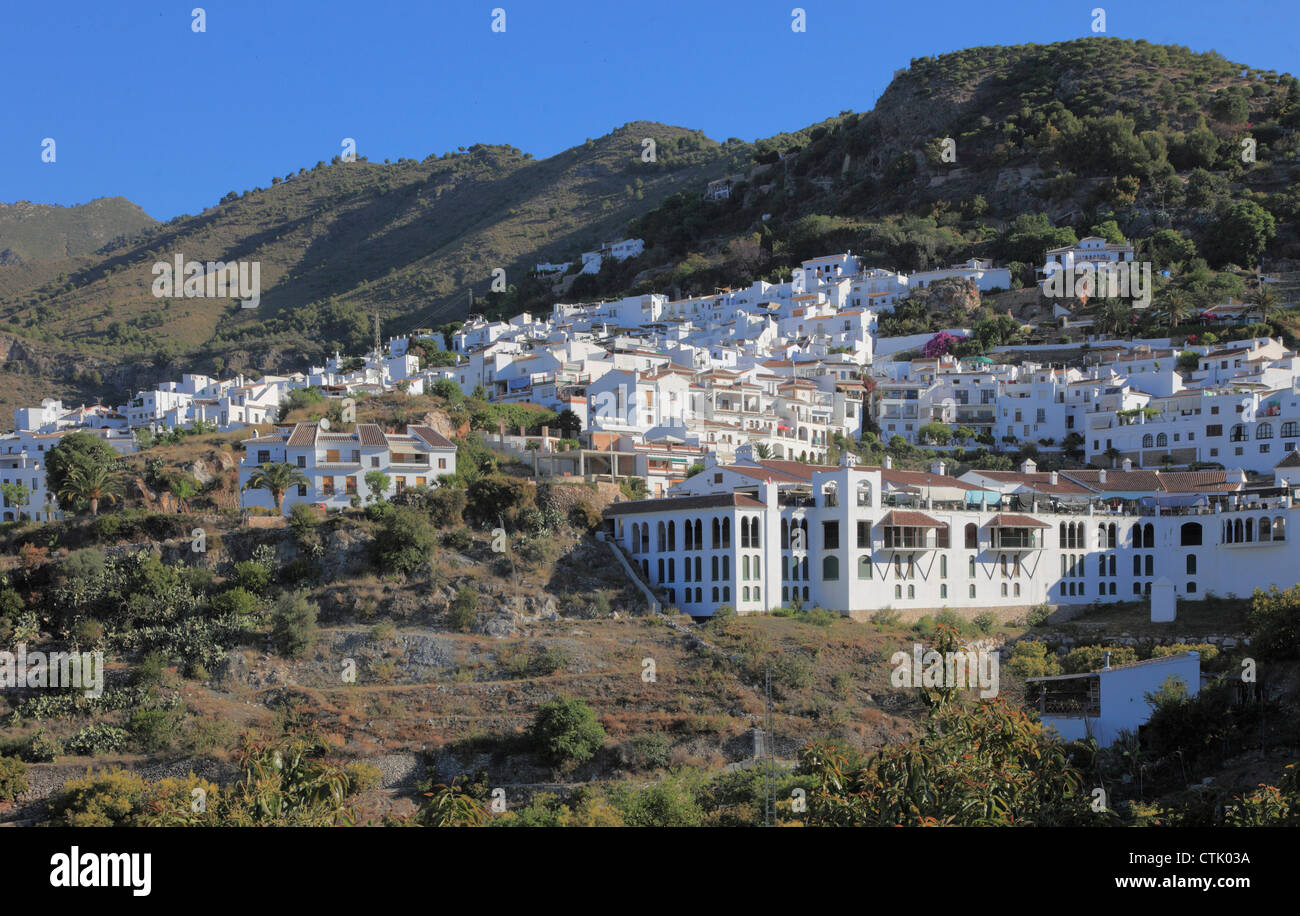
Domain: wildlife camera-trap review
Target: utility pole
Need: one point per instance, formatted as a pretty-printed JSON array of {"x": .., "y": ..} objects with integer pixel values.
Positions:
[
  {"x": 769, "y": 754},
  {"x": 376, "y": 317}
]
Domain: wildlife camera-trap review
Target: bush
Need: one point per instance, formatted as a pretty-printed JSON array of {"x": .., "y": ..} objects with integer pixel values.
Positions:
[
  {"x": 155, "y": 730},
  {"x": 566, "y": 733},
  {"x": 13, "y": 778},
  {"x": 447, "y": 506},
  {"x": 650, "y": 752},
  {"x": 460, "y": 540},
  {"x": 404, "y": 542},
  {"x": 293, "y": 624},
  {"x": 43, "y": 747},
  {"x": 463, "y": 609},
  {"x": 584, "y": 516},
  {"x": 151, "y": 668},
  {"x": 1038, "y": 615},
  {"x": 252, "y": 576},
  {"x": 238, "y": 601},
  {"x": 303, "y": 518},
  {"x": 984, "y": 622},
  {"x": 103, "y": 799},
  {"x": 362, "y": 776},
  {"x": 1029, "y": 658},
  {"x": 1093, "y": 658},
  {"x": 98, "y": 738},
  {"x": 1274, "y": 622}
]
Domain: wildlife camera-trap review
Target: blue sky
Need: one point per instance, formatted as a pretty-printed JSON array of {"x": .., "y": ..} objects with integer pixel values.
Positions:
[{"x": 141, "y": 106}]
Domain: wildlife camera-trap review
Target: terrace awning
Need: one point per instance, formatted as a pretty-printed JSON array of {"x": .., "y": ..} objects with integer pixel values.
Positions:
[{"x": 907, "y": 518}]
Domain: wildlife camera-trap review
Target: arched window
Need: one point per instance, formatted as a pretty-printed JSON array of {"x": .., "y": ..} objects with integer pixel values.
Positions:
[
  {"x": 699, "y": 534},
  {"x": 1015, "y": 589},
  {"x": 1137, "y": 565},
  {"x": 943, "y": 566},
  {"x": 830, "y": 495},
  {"x": 1101, "y": 565},
  {"x": 970, "y": 568},
  {"x": 715, "y": 569},
  {"x": 1250, "y": 529},
  {"x": 715, "y": 594},
  {"x": 803, "y": 573},
  {"x": 864, "y": 567},
  {"x": 717, "y": 534},
  {"x": 1111, "y": 537},
  {"x": 726, "y": 532},
  {"x": 672, "y": 536},
  {"x": 785, "y": 535},
  {"x": 688, "y": 535},
  {"x": 1151, "y": 535},
  {"x": 1061, "y": 535},
  {"x": 744, "y": 567},
  {"x": 1265, "y": 529},
  {"x": 636, "y": 538},
  {"x": 911, "y": 591},
  {"x": 864, "y": 493},
  {"x": 726, "y": 569},
  {"x": 744, "y": 531},
  {"x": 972, "y": 536},
  {"x": 1150, "y": 563},
  {"x": 1264, "y": 431},
  {"x": 1148, "y": 440},
  {"x": 753, "y": 533},
  {"x": 1112, "y": 571},
  {"x": 830, "y": 569},
  {"x": 1190, "y": 534},
  {"x": 1162, "y": 441},
  {"x": 661, "y": 540},
  {"x": 757, "y": 572},
  {"x": 1279, "y": 528},
  {"x": 1101, "y": 537},
  {"x": 1191, "y": 564},
  {"x": 1237, "y": 532},
  {"x": 1289, "y": 429},
  {"x": 744, "y": 593},
  {"x": 1004, "y": 565}
]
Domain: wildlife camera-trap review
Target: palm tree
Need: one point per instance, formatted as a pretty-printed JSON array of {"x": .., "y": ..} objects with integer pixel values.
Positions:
[
  {"x": 91, "y": 484},
  {"x": 762, "y": 450},
  {"x": 1175, "y": 307},
  {"x": 277, "y": 477},
  {"x": 1266, "y": 299}
]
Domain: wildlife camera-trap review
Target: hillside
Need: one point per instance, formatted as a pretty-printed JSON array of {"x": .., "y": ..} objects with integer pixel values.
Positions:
[
  {"x": 408, "y": 240},
  {"x": 43, "y": 232}
]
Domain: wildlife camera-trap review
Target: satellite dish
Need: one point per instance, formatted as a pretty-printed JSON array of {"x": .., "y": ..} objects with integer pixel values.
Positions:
[{"x": 324, "y": 423}]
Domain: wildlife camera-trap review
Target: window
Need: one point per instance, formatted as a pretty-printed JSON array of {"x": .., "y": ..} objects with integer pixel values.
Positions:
[
  {"x": 1264, "y": 431},
  {"x": 1289, "y": 429},
  {"x": 898, "y": 591},
  {"x": 442, "y": 464},
  {"x": 830, "y": 569},
  {"x": 1190, "y": 534},
  {"x": 943, "y": 592},
  {"x": 1191, "y": 564},
  {"x": 830, "y": 535},
  {"x": 970, "y": 568},
  {"x": 972, "y": 591},
  {"x": 911, "y": 591},
  {"x": 864, "y": 535},
  {"x": 1148, "y": 441},
  {"x": 1162, "y": 441},
  {"x": 864, "y": 567},
  {"x": 864, "y": 493},
  {"x": 1150, "y": 563},
  {"x": 943, "y": 567},
  {"x": 972, "y": 538}
]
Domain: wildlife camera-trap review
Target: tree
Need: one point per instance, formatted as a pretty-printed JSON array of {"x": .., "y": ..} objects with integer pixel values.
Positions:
[
  {"x": 377, "y": 484},
  {"x": 16, "y": 495},
  {"x": 1175, "y": 307},
  {"x": 1241, "y": 234},
  {"x": 405, "y": 541},
  {"x": 566, "y": 732},
  {"x": 293, "y": 624},
  {"x": 277, "y": 478},
  {"x": 76, "y": 450},
  {"x": 569, "y": 423},
  {"x": 1265, "y": 299},
  {"x": 762, "y": 451},
  {"x": 934, "y": 434},
  {"x": 89, "y": 485}
]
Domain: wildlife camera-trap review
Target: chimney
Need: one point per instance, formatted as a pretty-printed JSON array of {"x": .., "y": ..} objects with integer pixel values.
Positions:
[
  {"x": 889, "y": 462},
  {"x": 1055, "y": 478},
  {"x": 1028, "y": 466},
  {"x": 1101, "y": 476},
  {"x": 1128, "y": 464},
  {"x": 938, "y": 468},
  {"x": 846, "y": 459}
]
